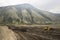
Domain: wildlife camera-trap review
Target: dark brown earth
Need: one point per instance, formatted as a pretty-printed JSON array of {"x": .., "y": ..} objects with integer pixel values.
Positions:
[{"x": 28, "y": 33}]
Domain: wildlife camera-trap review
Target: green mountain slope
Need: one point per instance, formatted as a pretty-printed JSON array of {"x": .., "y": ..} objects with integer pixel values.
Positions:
[{"x": 26, "y": 14}]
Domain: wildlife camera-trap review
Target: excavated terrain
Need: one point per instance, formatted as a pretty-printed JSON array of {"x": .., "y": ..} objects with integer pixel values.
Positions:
[{"x": 28, "y": 33}]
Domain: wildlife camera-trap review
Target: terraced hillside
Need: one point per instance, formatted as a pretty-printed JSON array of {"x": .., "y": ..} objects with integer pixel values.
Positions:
[{"x": 26, "y": 14}]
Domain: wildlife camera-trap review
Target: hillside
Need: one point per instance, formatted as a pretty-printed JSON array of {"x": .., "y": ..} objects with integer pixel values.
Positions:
[{"x": 26, "y": 14}]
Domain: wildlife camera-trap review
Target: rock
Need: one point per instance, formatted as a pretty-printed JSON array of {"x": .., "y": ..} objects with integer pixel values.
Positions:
[{"x": 7, "y": 34}]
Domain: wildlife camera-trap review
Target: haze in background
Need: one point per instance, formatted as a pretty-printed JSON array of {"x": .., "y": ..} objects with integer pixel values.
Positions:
[{"x": 47, "y": 5}]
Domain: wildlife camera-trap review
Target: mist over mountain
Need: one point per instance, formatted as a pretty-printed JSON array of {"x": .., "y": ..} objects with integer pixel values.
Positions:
[{"x": 26, "y": 14}]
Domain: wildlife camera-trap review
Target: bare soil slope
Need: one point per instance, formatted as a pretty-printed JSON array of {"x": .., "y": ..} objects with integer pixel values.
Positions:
[{"x": 6, "y": 34}]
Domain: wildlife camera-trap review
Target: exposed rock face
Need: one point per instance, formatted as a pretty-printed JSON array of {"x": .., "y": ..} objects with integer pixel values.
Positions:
[{"x": 6, "y": 34}]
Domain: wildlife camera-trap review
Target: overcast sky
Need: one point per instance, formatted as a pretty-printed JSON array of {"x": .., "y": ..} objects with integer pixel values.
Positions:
[{"x": 48, "y": 5}]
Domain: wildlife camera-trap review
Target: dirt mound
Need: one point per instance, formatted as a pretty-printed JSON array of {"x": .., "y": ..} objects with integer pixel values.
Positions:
[{"x": 6, "y": 34}]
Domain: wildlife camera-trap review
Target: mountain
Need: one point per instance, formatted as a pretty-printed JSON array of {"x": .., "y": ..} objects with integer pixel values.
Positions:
[{"x": 26, "y": 14}]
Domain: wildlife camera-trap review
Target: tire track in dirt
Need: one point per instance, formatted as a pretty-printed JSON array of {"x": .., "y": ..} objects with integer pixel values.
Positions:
[
  {"x": 31, "y": 37},
  {"x": 22, "y": 37},
  {"x": 26, "y": 36},
  {"x": 41, "y": 36}
]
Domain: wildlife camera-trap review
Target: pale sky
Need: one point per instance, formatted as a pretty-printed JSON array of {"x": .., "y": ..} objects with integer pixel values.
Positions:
[{"x": 47, "y": 5}]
